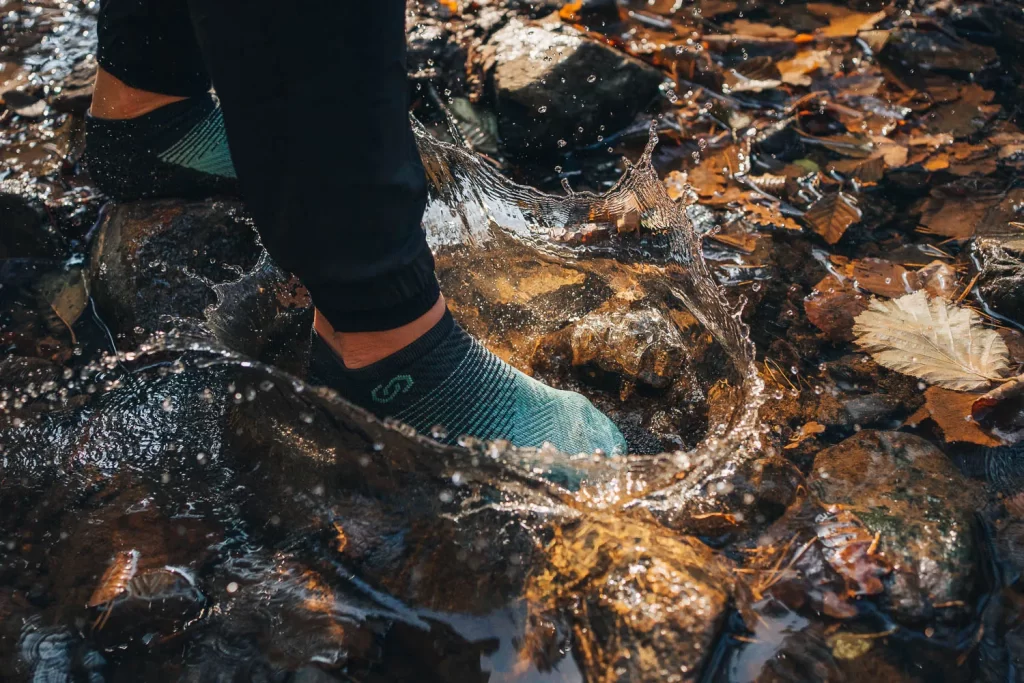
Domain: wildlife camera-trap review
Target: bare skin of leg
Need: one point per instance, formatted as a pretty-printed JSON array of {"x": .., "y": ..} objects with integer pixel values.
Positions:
[
  {"x": 114, "y": 99},
  {"x": 359, "y": 349}
]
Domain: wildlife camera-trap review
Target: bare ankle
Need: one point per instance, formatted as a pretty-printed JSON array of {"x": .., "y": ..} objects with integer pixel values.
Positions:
[
  {"x": 359, "y": 349},
  {"x": 114, "y": 99}
]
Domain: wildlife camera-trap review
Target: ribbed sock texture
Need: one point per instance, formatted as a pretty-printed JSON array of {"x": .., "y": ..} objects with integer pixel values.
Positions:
[
  {"x": 180, "y": 149},
  {"x": 448, "y": 379}
]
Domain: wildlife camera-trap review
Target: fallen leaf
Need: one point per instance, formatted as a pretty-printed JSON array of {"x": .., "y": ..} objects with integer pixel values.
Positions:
[
  {"x": 868, "y": 170},
  {"x": 831, "y": 215},
  {"x": 115, "y": 579},
  {"x": 708, "y": 177},
  {"x": 849, "y": 547},
  {"x": 932, "y": 340},
  {"x": 951, "y": 412},
  {"x": 677, "y": 184},
  {"x": 807, "y": 431},
  {"x": 939, "y": 279},
  {"x": 848, "y": 646},
  {"x": 794, "y": 71},
  {"x": 749, "y": 28},
  {"x": 844, "y": 25},
  {"x": 965, "y": 116},
  {"x": 884, "y": 278},
  {"x": 982, "y": 405},
  {"x": 769, "y": 216},
  {"x": 956, "y": 217},
  {"x": 832, "y": 307}
]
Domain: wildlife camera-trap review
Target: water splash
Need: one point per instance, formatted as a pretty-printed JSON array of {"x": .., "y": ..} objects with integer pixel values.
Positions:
[{"x": 471, "y": 204}]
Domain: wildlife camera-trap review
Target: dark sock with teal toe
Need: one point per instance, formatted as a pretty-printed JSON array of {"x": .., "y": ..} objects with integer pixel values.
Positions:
[
  {"x": 178, "y": 150},
  {"x": 447, "y": 379}
]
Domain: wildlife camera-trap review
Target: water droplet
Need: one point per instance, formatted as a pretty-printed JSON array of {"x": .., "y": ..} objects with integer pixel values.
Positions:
[
  {"x": 591, "y": 78},
  {"x": 542, "y": 110},
  {"x": 562, "y": 143}
]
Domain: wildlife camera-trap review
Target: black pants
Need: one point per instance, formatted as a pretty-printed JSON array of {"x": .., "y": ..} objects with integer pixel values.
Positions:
[{"x": 315, "y": 103}]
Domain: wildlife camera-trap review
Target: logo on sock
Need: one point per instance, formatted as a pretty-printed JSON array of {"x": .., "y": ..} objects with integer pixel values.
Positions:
[{"x": 385, "y": 393}]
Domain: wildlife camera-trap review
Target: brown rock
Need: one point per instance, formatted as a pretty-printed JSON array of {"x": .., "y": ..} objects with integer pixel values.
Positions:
[{"x": 906, "y": 489}]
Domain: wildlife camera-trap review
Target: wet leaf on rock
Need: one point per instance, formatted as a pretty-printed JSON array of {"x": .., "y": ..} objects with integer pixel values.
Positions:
[
  {"x": 831, "y": 215},
  {"x": 884, "y": 278},
  {"x": 951, "y": 412},
  {"x": 932, "y": 340},
  {"x": 832, "y": 307},
  {"x": 849, "y": 547},
  {"x": 115, "y": 580}
]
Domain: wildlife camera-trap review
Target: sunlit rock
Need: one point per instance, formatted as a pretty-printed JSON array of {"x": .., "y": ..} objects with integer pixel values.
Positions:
[
  {"x": 909, "y": 492},
  {"x": 554, "y": 88}
]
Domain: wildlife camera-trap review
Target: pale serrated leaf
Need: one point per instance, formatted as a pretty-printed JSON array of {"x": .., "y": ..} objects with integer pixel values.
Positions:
[{"x": 933, "y": 340}]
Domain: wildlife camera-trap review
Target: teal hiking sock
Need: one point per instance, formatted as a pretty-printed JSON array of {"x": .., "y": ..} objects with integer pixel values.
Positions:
[
  {"x": 448, "y": 379},
  {"x": 178, "y": 150}
]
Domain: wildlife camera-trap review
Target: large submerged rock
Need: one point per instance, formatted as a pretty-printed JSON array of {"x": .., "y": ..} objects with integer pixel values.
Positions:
[
  {"x": 323, "y": 484},
  {"x": 905, "y": 489},
  {"x": 554, "y": 87},
  {"x": 197, "y": 268}
]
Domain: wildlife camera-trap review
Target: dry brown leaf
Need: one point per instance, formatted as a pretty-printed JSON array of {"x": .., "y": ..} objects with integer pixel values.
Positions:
[
  {"x": 868, "y": 170},
  {"x": 708, "y": 177},
  {"x": 951, "y": 412},
  {"x": 932, "y": 340},
  {"x": 831, "y": 215}
]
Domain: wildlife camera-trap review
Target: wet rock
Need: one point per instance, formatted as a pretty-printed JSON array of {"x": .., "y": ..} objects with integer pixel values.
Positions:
[
  {"x": 904, "y": 488},
  {"x": 936, "y": 51},
  {"x": 159, "y": 266},
  {"x": 1001, "y": 275},
  {"x": 26, "y": 231},
  {"x": 872, "y": 408},
  {"x": 555, "y": 88},
  {"x": 682, "y": 587},
  {"x": 641, "y": 346}
]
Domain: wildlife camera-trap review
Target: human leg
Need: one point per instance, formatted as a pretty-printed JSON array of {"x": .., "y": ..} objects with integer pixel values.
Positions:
[
  {"x": 340, "y": 205},
  {"x": 154, "y": 128}
]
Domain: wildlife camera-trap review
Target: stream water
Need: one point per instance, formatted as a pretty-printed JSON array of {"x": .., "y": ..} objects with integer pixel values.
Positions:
[{"x": 177, "y": 503}]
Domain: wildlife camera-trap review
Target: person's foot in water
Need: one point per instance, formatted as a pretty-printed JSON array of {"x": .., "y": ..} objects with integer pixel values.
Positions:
[
  {"x": 427, "y": 373},
  {"x": 431, "y": 373},
  {"x": 140, "y": 144}
]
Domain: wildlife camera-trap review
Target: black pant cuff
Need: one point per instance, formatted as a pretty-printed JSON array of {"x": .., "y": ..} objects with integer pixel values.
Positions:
[
  {"x": 173, "y": 83},
  {"x": 381, "y": 303}
]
